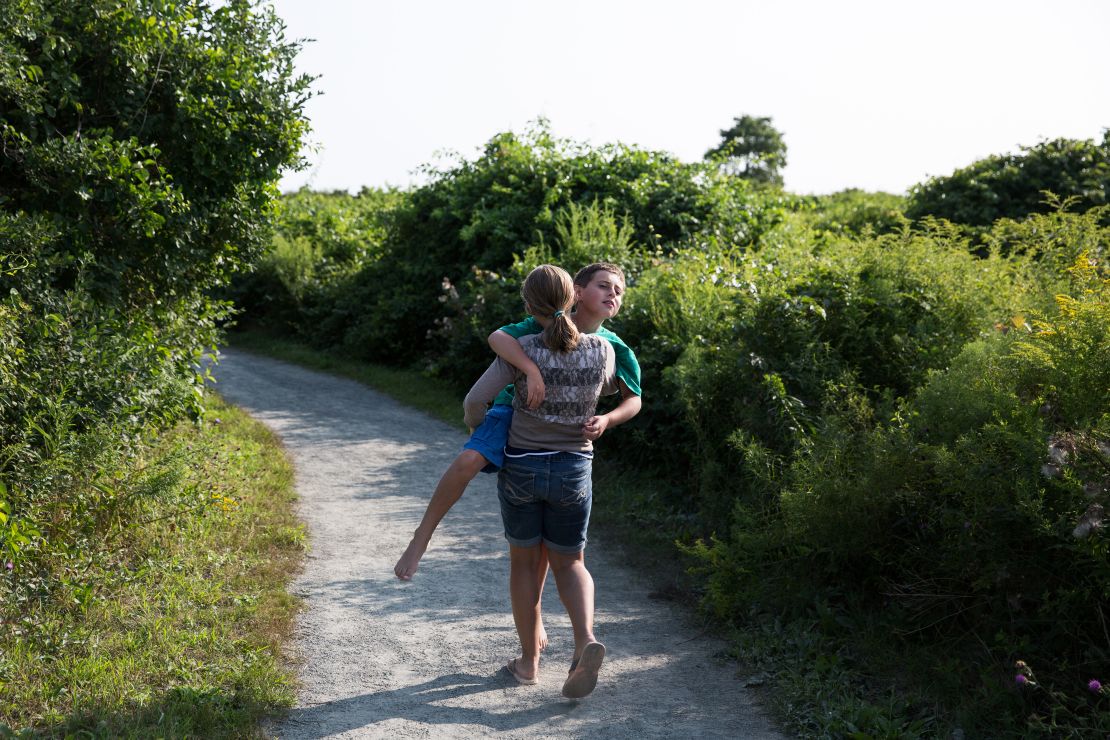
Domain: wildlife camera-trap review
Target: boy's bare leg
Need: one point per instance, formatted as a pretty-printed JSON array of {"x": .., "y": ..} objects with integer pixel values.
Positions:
[
  {"x": 525, "y": 598},
  {"x": 449, "y": 490}
]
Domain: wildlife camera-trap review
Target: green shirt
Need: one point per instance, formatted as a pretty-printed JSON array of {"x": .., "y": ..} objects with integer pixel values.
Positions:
[{"x": 628, "y": 368}]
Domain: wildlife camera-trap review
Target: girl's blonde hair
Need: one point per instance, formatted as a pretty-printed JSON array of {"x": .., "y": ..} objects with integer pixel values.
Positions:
[{"x": 549, "y": 293}]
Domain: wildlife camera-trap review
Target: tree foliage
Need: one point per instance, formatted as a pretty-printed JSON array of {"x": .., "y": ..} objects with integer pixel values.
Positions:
[
  {"x": 151, "y": 132},
  {"x": 477, "y": 216},
  {"x": 752, "y": 149},
  {"x": 140, "y": 145},
  {"x": 1015, "y": 185}
]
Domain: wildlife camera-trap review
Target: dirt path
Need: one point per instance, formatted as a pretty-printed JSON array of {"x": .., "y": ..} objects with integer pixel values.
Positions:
[{"x": 383, "y": 658}]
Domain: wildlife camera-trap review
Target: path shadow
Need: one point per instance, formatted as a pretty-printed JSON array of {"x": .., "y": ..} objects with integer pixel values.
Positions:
[{"x": 429, "y": 698}]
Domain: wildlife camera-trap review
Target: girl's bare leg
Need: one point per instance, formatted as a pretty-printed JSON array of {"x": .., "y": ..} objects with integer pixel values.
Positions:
[
  {"x": 576, "y": 588},
  {"x": 525, "y": 598},
  {"x": 541, "y": 579}
]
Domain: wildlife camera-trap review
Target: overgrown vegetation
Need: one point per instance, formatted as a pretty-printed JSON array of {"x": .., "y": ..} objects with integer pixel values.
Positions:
[
  {"x": 141, "y": 144},
  {"x": 878, "y": 427},
  {"x": 889, "y": 434}
]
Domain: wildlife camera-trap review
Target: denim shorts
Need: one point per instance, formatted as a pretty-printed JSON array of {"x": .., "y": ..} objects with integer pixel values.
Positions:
[
  {"x": 491, "y": 436},
  {"x": 546, "y": 498}
]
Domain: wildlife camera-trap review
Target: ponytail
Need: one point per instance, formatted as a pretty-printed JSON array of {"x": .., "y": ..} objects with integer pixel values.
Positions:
[{"x": 549, "y": 292}]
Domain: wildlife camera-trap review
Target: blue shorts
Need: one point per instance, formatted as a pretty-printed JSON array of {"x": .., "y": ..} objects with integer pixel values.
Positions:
[
  {"x": 491, "y": 436},
  {"x": 546, "y": 498}
]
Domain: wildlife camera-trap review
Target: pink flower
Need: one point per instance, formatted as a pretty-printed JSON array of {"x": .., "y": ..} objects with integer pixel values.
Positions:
[
  {"x": 1021, "y": 679},
  {"x": 1094, "y": 686},
  {"x": 9, "y": 565}
]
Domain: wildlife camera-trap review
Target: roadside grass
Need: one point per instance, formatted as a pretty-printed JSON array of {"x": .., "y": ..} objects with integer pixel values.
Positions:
[
  {"x": 431, "y": 395},
  {"x": 182, "y": 632}
]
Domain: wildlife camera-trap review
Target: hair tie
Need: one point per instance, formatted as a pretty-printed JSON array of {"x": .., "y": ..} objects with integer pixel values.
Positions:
[{"x": 557, "y": 314}]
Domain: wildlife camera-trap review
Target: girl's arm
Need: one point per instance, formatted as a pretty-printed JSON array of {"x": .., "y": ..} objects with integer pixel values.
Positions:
[
  {"x": 509, "y": 350},
  {"x": 498, "y": 375}
]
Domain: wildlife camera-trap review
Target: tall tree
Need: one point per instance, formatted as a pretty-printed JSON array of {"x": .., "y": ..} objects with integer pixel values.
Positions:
[{"x": 752, "y": 149}]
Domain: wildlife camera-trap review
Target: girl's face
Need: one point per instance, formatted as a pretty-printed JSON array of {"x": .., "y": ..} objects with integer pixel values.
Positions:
[{"x": 602, "y": 296}]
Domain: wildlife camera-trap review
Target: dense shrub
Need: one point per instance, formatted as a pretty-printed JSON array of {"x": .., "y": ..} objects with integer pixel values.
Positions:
[
  {"x": 141, "y": 146},
  {"x": 480, "y": 214},
  {"x": 853, "y": 212},
  {"x": 982, "y": 492},
  {"x": 321, "y": 240},
  {"x": 1014, "y": 185},
  {"x": 755, "y": 347}
]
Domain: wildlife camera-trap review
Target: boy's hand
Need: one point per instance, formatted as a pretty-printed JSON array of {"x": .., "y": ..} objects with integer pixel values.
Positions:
[
  {"x": 595, "y": 427},
  {"x": 536, "y": 389}
]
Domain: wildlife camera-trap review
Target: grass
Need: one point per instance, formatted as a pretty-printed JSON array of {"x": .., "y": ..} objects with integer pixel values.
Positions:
[{"x": 176, "y": 628}]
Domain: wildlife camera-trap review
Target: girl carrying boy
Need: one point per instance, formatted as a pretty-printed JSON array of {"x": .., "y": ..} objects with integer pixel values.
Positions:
[{"x": 560, "y": 373}]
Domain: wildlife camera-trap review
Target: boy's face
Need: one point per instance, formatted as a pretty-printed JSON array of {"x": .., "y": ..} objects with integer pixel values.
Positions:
[{"x": 602, "y": 296}]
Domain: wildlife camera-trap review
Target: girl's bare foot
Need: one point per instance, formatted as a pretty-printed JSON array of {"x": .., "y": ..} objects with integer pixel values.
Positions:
[
  {"x": 406, "y": 566},
  {"x": 543, "y": 636},
  {"x": 523, "y": 671}
]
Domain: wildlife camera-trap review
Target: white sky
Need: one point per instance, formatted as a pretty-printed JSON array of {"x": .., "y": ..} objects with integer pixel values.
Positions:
[{"x": 875, "y": 95}]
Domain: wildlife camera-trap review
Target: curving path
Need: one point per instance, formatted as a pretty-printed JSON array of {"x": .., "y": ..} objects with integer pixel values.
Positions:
[{"x": 384, "y": 658}]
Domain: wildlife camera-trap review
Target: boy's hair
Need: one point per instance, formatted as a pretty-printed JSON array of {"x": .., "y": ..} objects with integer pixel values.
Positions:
[
  {"x": 548, "y": 292},
  {"x": 583, "y": 276}
]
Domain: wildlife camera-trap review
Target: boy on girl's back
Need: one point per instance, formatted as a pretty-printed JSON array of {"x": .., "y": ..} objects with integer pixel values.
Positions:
[{"x": 599, "y": 292}]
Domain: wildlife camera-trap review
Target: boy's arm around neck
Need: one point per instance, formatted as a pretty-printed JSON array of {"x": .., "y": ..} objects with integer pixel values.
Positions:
[{"x": 508, "y": 349}]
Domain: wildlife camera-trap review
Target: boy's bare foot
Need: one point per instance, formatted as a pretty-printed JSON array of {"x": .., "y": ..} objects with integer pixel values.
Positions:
[
  {"x": 406, "y": 566},
  {"x": 523, "y": 671}
]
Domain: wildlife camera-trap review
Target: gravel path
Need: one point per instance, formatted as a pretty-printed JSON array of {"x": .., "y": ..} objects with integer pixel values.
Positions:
[{"x": 384, "y": 658}]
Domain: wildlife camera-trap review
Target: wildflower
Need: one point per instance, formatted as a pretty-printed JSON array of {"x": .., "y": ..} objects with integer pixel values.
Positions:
[
  {"x": 1094, "y": 686},
  {"x": 1021, "y": 679},
  {"x": 1058, "y": 453},
  {"x": 10, "y": 566},
  {"x": 1091, "y": 520}
]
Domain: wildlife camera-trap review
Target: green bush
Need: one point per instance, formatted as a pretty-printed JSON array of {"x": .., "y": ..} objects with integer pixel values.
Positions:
[
  {"x": 480, "y": 214},
  {"x": 757, "y": 347},
  {"x": 1015, "y": 185},
  {"x": 142, "y": 144},
  {"x": 321, "y": 240},
  {"x": 855, "y": 212},
  {"x": 982, "y": 494}
]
